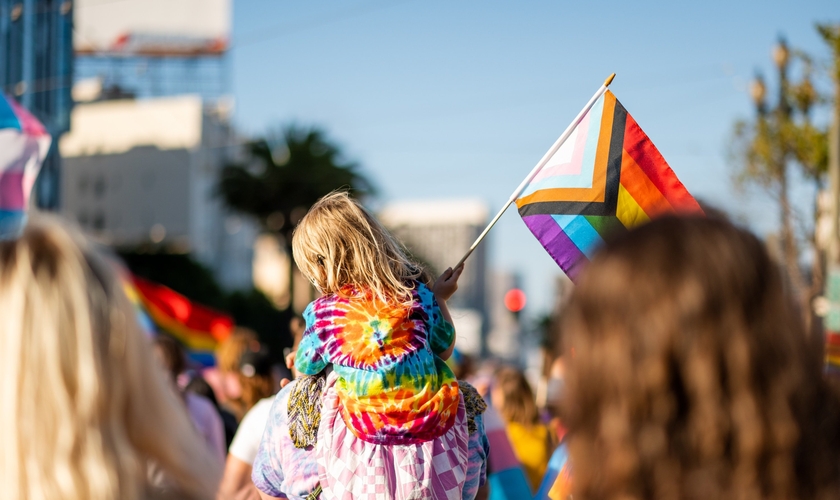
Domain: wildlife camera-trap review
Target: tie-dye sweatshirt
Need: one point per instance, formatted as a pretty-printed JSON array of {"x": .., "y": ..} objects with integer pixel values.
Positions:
[{"x": 393, "y": 386}]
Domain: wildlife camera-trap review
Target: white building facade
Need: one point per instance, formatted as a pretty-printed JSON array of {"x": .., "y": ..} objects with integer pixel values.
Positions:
[{"x": 144, "y": 173}]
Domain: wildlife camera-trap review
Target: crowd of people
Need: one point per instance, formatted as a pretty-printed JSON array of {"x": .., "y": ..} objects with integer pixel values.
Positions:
[{"x": 685, "y": 373}]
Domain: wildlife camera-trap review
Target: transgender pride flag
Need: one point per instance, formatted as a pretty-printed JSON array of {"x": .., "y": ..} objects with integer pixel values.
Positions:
[
  {"x": 24, "y": 143},
  {"x": 606, "y": 176}
]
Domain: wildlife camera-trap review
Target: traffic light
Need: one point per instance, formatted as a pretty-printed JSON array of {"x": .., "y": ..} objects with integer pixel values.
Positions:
[{"x": 515, "y": 301}]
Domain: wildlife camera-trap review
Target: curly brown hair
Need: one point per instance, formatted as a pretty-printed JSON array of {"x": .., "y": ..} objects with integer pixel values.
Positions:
[{"x": 689, "y": 373}]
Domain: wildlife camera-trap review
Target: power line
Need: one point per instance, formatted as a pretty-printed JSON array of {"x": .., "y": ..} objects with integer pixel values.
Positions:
[{"x": 283, "y": 29}]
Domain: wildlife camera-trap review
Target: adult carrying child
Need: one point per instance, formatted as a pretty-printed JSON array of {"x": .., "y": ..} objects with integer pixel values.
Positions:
[{"x": 393, "y": 423}]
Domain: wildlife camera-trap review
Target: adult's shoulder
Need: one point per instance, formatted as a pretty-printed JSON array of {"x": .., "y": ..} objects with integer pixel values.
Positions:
[
  {"x": 283, "y": 395},
  {"x": 260, "y": 411}
]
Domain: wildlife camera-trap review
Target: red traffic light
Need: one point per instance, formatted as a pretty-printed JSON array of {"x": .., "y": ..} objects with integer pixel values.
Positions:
[{"x": 515, "y": 300}]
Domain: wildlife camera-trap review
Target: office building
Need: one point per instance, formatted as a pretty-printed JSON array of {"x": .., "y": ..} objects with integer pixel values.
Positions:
[
  {"x": 438, "y": 233},
  {"x": 36, "y": 69},
  {"x": 145, "y": 172}
]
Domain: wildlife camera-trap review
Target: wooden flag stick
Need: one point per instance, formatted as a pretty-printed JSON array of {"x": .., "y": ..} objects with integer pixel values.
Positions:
[{"x": 559, "y": 142}]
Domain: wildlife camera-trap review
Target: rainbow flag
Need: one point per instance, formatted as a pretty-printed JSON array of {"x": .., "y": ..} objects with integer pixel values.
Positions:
[
  {"x": 146, "y": 323},
  {"x": 200, "y": 329},
  {"x": 607, "y": 176}
]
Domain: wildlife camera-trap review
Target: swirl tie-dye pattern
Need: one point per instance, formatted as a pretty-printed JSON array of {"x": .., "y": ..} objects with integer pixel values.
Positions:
[{"x": 392, "y": 384}]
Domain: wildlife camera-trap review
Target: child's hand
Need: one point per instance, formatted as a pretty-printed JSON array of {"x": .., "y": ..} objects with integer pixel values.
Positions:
[
  {"x": 290, "y": 363},
  {"x": 447, "y": 283}
]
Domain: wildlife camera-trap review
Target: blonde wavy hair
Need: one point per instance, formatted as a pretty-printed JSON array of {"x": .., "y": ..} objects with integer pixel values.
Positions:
[
  {"x": 86, "y": 412},
  {"x": 689, "y": 375},
  {"x": 338, "y": 243}
]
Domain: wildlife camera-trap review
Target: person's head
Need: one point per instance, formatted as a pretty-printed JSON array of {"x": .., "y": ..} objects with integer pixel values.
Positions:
[
  {"x": 513, "y": 398},
  {"x": 84, "y": 408},
  {"x": 338, "y": 243},
  {"x": 688, "y": 373},
  {"x": 171, "y": 356},
  {"x": 229, "y": 352},
  {"x": 255, "y": 375}
]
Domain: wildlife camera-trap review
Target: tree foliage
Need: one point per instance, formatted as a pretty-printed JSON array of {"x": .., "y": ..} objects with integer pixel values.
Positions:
[
  {"x": 781, "y": 140},
  {"x": 279, "y": 179}
]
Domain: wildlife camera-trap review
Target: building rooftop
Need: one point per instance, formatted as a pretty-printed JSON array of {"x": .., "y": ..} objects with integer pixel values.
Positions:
[
  {"x": 112, "y": 127},
  {"x": 435, "y": 212}
]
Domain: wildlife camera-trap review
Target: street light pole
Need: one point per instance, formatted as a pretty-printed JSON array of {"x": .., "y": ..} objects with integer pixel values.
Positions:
[{"x": 833, "y": 256}]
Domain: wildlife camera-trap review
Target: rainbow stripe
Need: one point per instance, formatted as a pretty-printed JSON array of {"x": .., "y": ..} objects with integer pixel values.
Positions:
[
  {"x": 198, "y": 328},
  {"x": 607, "y": 176},
  {"x": 24, "y": 144},
  {"x": 146, "y": 323},
  {"x": 557, "y": 482},
  {"x": 832, "y": 354}
]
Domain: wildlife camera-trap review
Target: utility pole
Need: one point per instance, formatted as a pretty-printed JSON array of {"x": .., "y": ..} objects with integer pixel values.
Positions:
[
  {"x": 771, "y": 122},
  {"x": 834, "y": 171},
  {"x": 831, "y": 34}
]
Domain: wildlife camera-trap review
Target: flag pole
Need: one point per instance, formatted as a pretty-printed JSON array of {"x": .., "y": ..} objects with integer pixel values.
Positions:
[{"x": 559, "y": 142}]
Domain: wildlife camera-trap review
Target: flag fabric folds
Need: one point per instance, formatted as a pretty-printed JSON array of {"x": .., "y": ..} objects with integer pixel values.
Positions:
[
  {"x": 608, "y": 176},
  {"x": 557, "y": 481},
  {"x": 504, "y": 472},
  {"x": 24, "y": 143},
  {"x": 198, "y": 328}
]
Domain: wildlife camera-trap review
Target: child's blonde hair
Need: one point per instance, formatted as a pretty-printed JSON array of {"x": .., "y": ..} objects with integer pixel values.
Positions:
[{"x": 338, "y": 243}]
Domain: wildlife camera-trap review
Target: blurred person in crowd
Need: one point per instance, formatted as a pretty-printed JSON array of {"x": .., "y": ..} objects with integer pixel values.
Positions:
[
  {"x": 691, "y": 376},
  {"x": 203, "y": 414},
  {"x": 236, "y": 481},
  {"x": 84, "y": 411},
  {"x": 225, "y": 376},
  {"x": 505, "y": 474},
  {"x": 512, "y": 397},
  {"x": 198, "y": 385},
  {"x": 256, "y": 377},
  {"x": 558, "y": 466}
]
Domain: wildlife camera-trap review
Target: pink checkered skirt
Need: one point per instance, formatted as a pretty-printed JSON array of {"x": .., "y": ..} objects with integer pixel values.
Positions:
[{"x": 352, "y": 469}]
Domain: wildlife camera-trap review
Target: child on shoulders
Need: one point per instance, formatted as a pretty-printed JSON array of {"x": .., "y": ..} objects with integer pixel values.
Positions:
[{"x": 386, "y": 335}]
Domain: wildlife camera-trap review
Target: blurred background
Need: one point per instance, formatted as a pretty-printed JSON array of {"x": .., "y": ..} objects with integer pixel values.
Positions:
[{"x": 191, "y": 135}]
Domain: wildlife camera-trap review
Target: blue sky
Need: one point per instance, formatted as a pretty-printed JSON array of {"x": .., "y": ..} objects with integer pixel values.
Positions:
[{"x": 443, "y": 99}]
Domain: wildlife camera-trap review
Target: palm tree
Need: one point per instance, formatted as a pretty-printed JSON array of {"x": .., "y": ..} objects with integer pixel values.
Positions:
[{"x": 278, "y": 181}]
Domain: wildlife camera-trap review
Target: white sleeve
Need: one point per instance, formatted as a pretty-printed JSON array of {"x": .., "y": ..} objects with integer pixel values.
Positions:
[{"x": 247, "y": 439}]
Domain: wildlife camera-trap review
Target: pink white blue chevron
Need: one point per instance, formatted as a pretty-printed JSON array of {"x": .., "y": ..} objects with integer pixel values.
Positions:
[
  {"x": 24, "y": 143},
  {"x": 607, "y": 177}
]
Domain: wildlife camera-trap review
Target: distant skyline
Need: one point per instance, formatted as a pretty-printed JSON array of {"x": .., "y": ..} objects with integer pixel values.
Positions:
[{"x": 460, "y": 99}]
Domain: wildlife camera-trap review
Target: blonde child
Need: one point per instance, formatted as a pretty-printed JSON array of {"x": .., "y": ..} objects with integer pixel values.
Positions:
[{"x": 386, "y": 335}]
